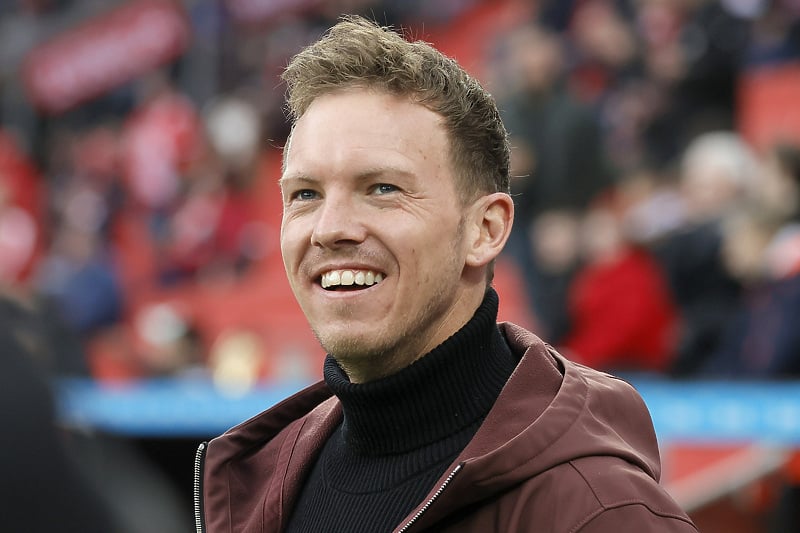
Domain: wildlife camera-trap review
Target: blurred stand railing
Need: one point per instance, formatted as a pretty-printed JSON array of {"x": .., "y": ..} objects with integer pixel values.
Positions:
[
  {"x": 717, "y": 438},
  {"x": 686, "y": 411}
]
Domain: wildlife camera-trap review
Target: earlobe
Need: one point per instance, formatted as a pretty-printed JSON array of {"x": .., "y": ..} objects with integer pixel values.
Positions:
[{"x": 493, "y": 218}]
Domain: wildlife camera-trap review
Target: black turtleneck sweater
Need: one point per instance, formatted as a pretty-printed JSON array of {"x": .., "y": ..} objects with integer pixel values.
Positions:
[{"x": 401, "y": 432}]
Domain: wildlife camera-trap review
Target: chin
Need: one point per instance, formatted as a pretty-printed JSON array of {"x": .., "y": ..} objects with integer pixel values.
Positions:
[
  {"x": 349, "y": 348},
  {"x": 341, "y": 343}
]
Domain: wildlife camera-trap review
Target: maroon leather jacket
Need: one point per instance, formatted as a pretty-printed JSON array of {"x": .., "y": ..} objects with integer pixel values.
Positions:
[{"x": 564, "y": 449}]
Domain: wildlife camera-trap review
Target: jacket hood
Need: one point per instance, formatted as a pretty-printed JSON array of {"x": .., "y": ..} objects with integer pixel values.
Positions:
[{"x": 590, "y": 414}]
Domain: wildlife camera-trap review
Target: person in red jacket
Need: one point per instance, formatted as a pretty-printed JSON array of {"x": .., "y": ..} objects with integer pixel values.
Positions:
[
  {"x": 621, "y": 313},
  {"x": 431, "y": 416}
]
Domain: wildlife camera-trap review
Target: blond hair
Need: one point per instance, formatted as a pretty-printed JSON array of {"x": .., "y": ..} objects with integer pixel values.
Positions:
[{"x": 360, "y": 53}]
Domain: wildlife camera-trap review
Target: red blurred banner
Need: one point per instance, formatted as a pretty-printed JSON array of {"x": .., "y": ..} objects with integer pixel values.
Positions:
[
  {"x": 768, "y": 105},
  {"x": 104, "y": 53},
  {"x": 261, "y": 11}
]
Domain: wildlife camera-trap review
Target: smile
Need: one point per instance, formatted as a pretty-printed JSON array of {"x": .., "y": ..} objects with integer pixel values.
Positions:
[{"x": 335, "y": 279}]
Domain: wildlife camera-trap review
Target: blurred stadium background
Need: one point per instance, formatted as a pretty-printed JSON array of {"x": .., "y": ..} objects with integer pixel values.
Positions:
[{"x": 657, "y": 182}]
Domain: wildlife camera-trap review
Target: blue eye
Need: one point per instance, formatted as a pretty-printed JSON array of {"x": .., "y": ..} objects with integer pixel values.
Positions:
[
  {"x": 384, "y": 188},
  {"x": 305, "y": 194}
]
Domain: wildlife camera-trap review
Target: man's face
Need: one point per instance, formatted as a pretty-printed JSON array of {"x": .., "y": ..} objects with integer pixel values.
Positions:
[{"x": 372, "y": 233}]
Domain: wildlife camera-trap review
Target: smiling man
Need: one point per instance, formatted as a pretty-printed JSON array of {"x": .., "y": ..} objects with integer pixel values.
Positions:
[
  {"x": 369, "y": 195},
  {"x": 431, "y": 416}
]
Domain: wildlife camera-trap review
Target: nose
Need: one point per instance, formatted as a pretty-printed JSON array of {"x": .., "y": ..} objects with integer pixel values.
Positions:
[{"x": 337, "y": 223}]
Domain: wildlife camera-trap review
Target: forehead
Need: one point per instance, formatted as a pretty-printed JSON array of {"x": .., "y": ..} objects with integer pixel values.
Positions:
[{"x": 368, "y": 127}]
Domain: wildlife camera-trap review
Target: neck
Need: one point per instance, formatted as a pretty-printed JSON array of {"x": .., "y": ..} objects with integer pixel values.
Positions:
[{"x": 442, "y": 393}]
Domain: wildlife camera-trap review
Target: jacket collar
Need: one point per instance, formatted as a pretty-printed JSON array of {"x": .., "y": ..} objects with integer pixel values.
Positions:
[{"x": 547, "y": 400}]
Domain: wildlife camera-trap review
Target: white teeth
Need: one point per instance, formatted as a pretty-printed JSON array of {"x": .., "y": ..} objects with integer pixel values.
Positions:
[
  {"x": 350, "y": 277},
  {"x": 334, "y": 278},
  {"x": 331, "y": 278}
]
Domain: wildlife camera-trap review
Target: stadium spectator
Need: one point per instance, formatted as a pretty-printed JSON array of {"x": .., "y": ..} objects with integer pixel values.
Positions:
[
  {"x": 43, "y": 489},
  {"x": 621, "y": 313},
  {"x": 717, "y": 175},
  {"x": 761, "y": 248},
  {"x": 557, "y": 152},
  {"x": 779, "y": 183},
  {"x": 21, "y": 212},
  {"x": 776, "y": 34},
  {"x": 762, "y": 340},
  {"x": 554, "y": 238}
]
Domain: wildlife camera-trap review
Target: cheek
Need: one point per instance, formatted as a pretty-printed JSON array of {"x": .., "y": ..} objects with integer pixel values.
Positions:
[
  {"x": 291, "y": 235},
  {"x": 291, "y": 253},
  {"x": 284, "y": 242}
]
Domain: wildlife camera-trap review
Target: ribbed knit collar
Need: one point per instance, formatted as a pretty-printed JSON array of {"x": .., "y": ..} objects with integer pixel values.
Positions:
[{"x": 442, "y": 393}]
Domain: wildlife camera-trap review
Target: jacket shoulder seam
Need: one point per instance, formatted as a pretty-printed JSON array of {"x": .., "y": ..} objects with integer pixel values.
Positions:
[
  {"x": 603, "y": 507},
  {"x": 628, "y": 503}
]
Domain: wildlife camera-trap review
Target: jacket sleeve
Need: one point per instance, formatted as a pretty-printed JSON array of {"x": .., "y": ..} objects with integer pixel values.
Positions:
[{"x": 639, "y": 518}]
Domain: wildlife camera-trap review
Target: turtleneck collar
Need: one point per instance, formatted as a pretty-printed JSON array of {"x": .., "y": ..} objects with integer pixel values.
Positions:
[{"x": 444, "y": 392}]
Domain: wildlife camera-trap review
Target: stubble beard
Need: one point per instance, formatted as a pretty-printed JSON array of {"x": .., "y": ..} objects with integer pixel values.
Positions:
[
  {"x": 384, "y": 352},
  {"x": 394, "y": 350}
]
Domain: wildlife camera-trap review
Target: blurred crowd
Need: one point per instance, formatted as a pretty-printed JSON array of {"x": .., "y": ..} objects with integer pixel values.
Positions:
[
  {"x": 657, "y": 217},
  {"x": 656, "y": 180}
]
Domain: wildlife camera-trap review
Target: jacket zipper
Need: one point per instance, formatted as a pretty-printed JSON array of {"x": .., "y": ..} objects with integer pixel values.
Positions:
[
  {"x": 433, "y": 498},
  {"x": 199, "y": 459}
]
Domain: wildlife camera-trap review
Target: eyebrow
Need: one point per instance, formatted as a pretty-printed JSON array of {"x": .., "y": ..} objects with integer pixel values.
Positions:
[
  {"x": 364, "y": 175},
  {"x": 297, "y": 178}
]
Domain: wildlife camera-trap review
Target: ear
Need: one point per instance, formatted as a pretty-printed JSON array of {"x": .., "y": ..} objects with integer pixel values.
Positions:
[{"x": 492, "y": 218}]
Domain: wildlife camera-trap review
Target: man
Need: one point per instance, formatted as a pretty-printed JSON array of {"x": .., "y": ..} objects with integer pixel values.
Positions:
[{"x": 431, "y": 417}]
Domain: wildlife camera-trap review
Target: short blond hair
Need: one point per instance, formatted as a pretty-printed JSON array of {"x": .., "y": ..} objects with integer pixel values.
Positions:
[{"x": 359, "y": 53}]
